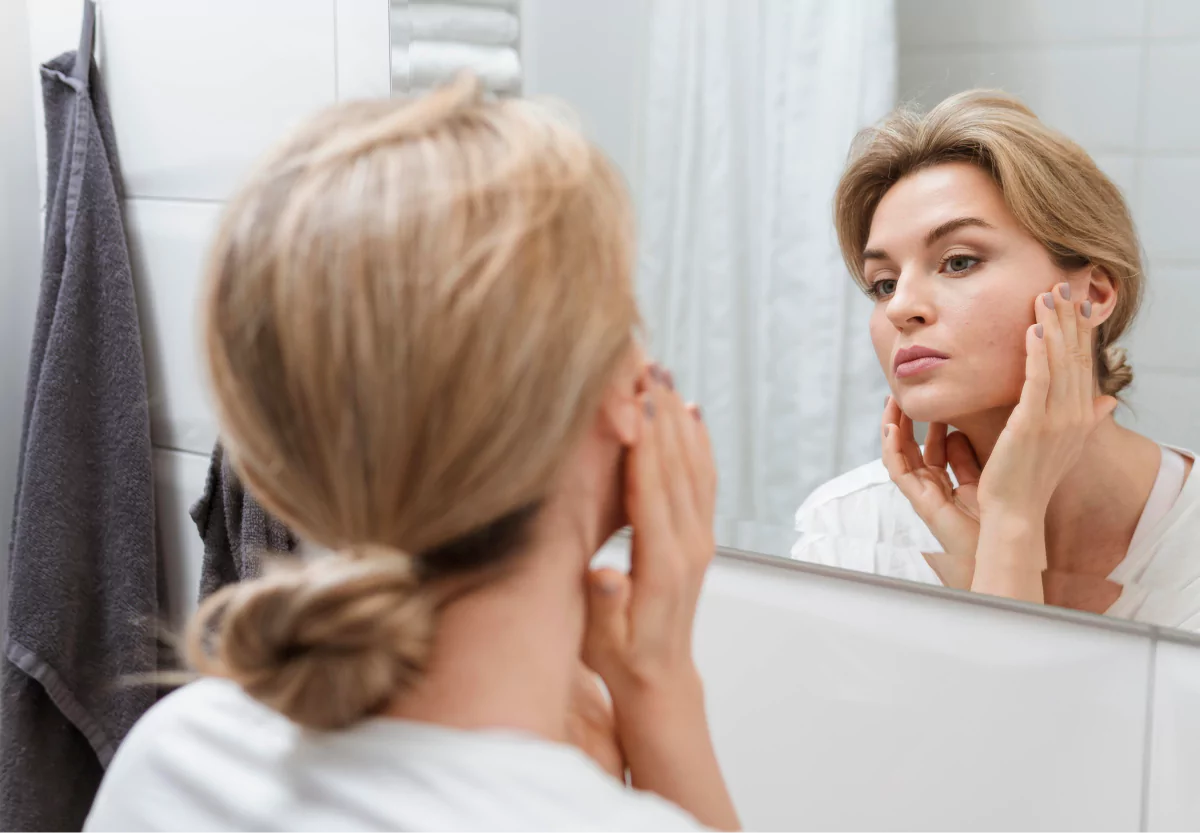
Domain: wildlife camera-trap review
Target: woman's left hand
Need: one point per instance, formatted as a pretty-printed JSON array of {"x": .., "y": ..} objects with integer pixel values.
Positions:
[{"x": 1058, "y": 411}]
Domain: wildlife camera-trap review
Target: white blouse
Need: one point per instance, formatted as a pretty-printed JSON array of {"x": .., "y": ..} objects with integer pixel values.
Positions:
[{"x": 860, "y": 521}]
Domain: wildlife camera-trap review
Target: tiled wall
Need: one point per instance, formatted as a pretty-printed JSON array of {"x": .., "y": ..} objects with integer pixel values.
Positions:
[
  {"x": 835, "y": 704},
  {"x": 1117, "y": 76}
]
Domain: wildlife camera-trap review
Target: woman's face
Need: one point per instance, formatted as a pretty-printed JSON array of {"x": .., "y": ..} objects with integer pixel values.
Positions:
[{"x": 954, "y": 278}]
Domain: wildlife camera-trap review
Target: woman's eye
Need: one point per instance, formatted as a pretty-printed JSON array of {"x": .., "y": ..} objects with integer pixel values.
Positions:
[
  {"x": 884, "y": 288},
  {"x": 960, "y": 263}
]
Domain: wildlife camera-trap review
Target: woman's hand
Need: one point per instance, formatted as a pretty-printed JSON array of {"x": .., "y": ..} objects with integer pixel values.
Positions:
[
  {"x": 639, "y": 632},
  {"x": 1042, "y": 441},
  {"x": 1058, "y": 411},
  {"x": 952, "y": 514}
]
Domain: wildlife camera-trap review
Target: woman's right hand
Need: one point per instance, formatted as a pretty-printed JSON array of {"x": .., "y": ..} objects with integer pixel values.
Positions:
[
  {"x": 951, "y": 513},
  {"x": 639, "y": 630}
]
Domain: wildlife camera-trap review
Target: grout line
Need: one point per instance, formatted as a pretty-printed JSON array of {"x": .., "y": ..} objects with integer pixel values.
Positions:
[
  {"x": 1148, "y": 740},
  {"x": 188, "y": 200}
]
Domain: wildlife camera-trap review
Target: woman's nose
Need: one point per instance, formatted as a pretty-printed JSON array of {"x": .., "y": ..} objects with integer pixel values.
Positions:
[{"x": 912, "y": 303}]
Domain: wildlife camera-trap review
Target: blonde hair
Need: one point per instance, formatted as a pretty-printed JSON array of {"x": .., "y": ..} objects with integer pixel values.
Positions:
[
  {"x": 411, "y": 313},
  {"x": 1050, "y": 184}
]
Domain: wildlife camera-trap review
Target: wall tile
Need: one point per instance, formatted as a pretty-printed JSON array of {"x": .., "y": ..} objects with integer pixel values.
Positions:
[
  {"x": 178, "y": 483},
  {"x": 1121, "y": 168},
  {"x": 1173, "y": 800},
  {"x": 962, "y": 22},
  {"x": 1165, "y": 407},
  {"x": 1171, "y": 124},
  {"x": 200, "y": 90},
  {"x": 364, "y": 52},
  {"x": 1090, "y": 93},
  {"x": 1174, "y": 18},
  {"x": 1167, "y": 207},
  {"x": 1165, "y": 336},
  {"x": 168, "y": 243},
  {"x": 866, "y": 707}
]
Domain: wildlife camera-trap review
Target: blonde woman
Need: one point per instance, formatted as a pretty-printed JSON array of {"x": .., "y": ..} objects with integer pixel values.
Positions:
[
  {"x": 1004, "y": 266},
  {"x": 420, "y": 327}
]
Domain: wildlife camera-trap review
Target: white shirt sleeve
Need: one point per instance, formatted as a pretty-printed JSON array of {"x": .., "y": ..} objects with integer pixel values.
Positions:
[{"x": 860, "y": 521}]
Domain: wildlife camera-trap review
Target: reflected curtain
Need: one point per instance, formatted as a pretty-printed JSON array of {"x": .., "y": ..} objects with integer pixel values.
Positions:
[{"x": 750, "y": 109}]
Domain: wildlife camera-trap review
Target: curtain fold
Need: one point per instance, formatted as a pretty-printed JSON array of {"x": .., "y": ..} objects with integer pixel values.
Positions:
[{"x": 751, "y": 107}]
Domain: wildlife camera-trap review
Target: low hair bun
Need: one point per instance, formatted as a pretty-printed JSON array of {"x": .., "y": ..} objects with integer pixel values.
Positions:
[
  {"x": 325, "y": 642},
  {"x": 1116, "y": 374}
]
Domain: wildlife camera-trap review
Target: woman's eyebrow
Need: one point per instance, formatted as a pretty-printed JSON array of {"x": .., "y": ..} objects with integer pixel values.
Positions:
[
  {"x": 954, "y": 225},
  {"x": 935, "y": 234}
]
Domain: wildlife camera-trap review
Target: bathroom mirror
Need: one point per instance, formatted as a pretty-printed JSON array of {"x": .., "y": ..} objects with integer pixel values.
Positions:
[{"x": 732, "y": 123}]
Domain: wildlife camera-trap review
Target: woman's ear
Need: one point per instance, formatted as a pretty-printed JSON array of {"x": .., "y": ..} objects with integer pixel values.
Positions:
[
  {"x": 621, "y": 411},
  {"x": 1101, "y": 291}
]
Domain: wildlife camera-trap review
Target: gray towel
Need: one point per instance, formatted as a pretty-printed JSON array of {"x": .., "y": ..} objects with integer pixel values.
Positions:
[
  {"x": 235, "y": 529},
  {"x": 83, "y": 593}
]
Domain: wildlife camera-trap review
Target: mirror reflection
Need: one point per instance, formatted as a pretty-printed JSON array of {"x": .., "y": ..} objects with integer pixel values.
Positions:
[{"x": 922, "y": 265}]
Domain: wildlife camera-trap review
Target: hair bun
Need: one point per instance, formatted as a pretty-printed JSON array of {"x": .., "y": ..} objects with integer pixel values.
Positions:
[
  {"x": 1116, "y": 374},
  {"x": 326, "y": 642}
]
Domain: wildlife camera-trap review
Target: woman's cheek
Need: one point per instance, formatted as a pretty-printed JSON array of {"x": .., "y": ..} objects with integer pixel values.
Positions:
[{"x": 883, "y": 337}]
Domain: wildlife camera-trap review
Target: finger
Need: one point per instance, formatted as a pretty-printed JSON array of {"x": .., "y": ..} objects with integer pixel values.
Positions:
[
  {"x": 1086, "y": 330},
  {"x": 1036, "y": 391},
  {"x": 645, "y": 503},
  {"x": 935, "y": 445},
  {"x": 891, "y": 412},
  {"x": 674, "y": 474},
  {"x": 963, "y": 461},
  {"x": 898, "y": 466},
  {"x": 1064, "y": 307},
  {"x": 607, "y": 617},
  {"x": 908, "y": 443},
  {"x": 704, "y": 466},
  {"x": 1053, "y": 349}
]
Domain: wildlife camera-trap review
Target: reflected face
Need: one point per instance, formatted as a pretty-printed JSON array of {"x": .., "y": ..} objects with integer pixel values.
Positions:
[{"x": 954, "y": 277}]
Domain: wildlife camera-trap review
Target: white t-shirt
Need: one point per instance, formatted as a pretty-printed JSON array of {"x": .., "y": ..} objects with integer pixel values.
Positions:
[
  {"x": 209, "y": 757},
  {"x": 861, "y": 521}
]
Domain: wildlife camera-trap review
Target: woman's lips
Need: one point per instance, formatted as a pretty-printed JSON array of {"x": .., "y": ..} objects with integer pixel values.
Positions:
[{"x": 913, "y": 360}]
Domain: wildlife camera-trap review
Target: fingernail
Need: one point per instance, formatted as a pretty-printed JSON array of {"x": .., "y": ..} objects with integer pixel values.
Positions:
[
  {"x": 656, "y": 373},
  {"x": 606, "y": 584},
  {"x": 887, "y": 430},
  {"x": 649, "y": 409},
  {"x": 669, "y": 380},
  {"x": 1039, "y": 331},
  {"x": 1065, "y": 290},
  {"x": 696, "y": 413},
  {"x": 1049, "y": 299},
  {"x": 1086, "y": 309},
  {"x": 887, "y": 400}
]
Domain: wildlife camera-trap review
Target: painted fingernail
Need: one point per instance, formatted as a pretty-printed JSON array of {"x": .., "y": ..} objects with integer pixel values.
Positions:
[
  {"x": 1086, "y": 309},
  {"x": 1039, "y": 331},
  {"x": 887, "y": 430},
  {"x": 1049, "y": 299},
  {"x": 887, "y": 400},
  {"x": 649, "y": 409},
  {"x": 696, "y": 413},
  {"x": 1064, "y": 289},
  {"x": 656, "y": 373},
  {"x": 668, "y": 380}
]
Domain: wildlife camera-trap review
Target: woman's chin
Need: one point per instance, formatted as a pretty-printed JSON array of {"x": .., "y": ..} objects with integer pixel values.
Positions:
[{"x": 926, "y": 404}]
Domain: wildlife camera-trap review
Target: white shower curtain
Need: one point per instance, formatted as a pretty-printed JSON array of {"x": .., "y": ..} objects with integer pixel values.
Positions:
[{"x": 751, "y": 107}]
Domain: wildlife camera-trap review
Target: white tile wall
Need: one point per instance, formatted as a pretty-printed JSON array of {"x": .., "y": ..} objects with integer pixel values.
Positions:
[
  {"x": 840, "y": 706},
  {"x": 1174, "y": 762},
  {"x": 168, "y": 242},
  {"x": 179, "y": 482},
  {"x": 1115, "y": 75}
]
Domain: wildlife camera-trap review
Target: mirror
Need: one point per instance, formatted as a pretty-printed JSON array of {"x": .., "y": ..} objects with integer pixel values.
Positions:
[{"x": 733, "y": 124}]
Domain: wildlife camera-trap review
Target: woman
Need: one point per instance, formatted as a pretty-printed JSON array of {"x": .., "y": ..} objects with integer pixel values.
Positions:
[
  {"x": 419, "y": 323},
  {"x": 969, "y": 226}
]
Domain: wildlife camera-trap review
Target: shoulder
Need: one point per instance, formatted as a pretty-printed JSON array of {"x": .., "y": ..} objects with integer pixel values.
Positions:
[{"x": 871, "y": 479}]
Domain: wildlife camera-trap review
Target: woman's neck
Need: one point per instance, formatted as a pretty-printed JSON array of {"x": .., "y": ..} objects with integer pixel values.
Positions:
[
  {"x": 1095, "y": 510},
  {"x": 505, "y": 655}
]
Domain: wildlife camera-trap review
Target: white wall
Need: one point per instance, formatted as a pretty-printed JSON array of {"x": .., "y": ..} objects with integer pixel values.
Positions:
[
  {"x": 1118, "y": 76},
  {"x": 835, "y": 703},
  {"x": 20, "y": 255}
]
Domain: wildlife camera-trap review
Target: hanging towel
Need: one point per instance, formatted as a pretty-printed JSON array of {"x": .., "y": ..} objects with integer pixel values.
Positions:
[
  {"x": 236, "y": 530},
  {"x": 427, "y": 64},
  {"x": 455, "y": 22},
  {"x": 83, "y": 575}
]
